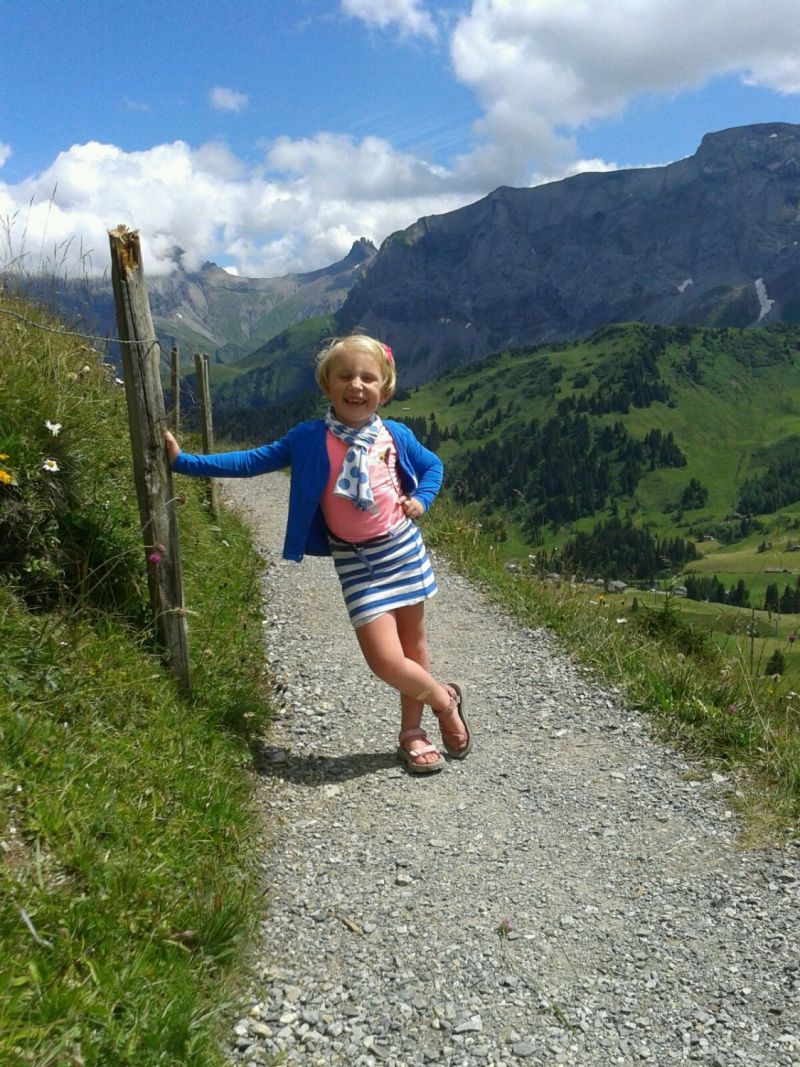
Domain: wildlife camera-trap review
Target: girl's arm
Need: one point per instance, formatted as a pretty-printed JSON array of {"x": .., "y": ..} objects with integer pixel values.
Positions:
[
  {"x": 429, "y": 471},
  {"x": 244, "y": 464}
]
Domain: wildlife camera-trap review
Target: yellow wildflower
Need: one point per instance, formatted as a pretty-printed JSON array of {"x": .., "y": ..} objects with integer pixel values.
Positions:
[{"x": 5, "y": 478}]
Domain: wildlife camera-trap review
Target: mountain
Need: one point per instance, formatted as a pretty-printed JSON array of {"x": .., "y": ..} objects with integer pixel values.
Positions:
[
  {"x": 210, "y": 310},
  {"x": 711, "y": 239},
  {"x": 228, "y": 316},
  {"x": 261, "y": 396}
]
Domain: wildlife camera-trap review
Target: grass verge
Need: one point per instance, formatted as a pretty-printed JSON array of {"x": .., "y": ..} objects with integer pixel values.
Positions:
[
  {"x": 127, "y": 833},
  {"x": 713, "y": 705}
]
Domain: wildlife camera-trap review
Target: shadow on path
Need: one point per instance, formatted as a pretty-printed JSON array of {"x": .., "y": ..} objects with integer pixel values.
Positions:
[{"x": 320, "y": 770}]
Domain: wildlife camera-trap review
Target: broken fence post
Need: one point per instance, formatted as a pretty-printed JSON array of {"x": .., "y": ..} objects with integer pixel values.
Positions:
[{"x": 141, "y": 362}]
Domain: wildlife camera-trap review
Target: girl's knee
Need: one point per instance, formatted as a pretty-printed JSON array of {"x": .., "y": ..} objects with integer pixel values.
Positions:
[
  {"x": 383, "y": 666},
  {"x": 417, "y": 650}
]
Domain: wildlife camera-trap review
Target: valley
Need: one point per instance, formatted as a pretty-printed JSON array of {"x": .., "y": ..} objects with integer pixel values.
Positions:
[{"x": 725, "y": 398}]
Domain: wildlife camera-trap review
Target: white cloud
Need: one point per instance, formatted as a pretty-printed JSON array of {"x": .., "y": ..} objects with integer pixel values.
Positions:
[
  {"x": 227, "y": 99},
  {"x": 135, "y": 105},
  {"x": 216, "y": 159},
  {"x": 540, "y": 69},
  {"x": 301, "y": 211},
  {"x": 410, "y": 19},
  {"x": 5, "y": 153},
  {"x": 334, "y": 165},
  {"x": 781, "y": 73}
]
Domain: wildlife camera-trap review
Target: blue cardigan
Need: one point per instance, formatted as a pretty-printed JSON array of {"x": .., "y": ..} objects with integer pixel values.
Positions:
[{"x": 305, "y": 451}]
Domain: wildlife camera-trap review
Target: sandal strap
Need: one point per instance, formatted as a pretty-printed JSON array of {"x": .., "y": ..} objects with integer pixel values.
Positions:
[
  {"x": 454, "y": 704},
  {"x": 451, "y": 707},
  {"x": 422, "y": 751},
  {"x": 409, "y": 735},
  {"x": 416, "y": 734},
  {"x": 460, "y": 732}
]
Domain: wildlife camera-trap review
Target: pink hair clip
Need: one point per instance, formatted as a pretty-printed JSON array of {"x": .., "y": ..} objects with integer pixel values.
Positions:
[{"x": 388, "y": 352}]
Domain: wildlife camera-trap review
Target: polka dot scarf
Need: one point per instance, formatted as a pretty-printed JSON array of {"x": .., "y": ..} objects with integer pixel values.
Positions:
[{"x": 353, "y": 480}]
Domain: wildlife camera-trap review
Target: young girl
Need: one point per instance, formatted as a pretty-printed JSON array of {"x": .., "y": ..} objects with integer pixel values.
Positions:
[{"x": 357, "y": 484}]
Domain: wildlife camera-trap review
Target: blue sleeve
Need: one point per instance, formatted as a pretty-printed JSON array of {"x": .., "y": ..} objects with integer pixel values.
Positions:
[
  {"x": 243, "y": 464},
  {"x": 427, "y": 466},
  {"x": 430, "y": 472}
]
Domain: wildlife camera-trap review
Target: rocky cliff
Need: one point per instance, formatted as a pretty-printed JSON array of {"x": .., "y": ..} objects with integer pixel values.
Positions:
[{"x": 710, "y": 239}]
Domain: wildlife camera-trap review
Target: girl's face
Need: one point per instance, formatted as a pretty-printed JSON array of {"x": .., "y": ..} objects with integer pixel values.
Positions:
[{"x": 354, "y": 387}]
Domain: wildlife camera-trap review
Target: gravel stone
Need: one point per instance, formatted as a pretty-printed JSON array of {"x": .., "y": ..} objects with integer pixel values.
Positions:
[
  {"x": 524, "y": 1049},
  {"x": 573, "y": 892}
]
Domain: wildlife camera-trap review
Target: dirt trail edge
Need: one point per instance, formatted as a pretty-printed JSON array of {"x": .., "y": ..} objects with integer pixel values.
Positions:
[{"x": 569, "y": 894}]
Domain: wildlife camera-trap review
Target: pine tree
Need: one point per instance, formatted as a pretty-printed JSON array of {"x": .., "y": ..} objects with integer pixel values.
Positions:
[
  {"x": 787, "y": 601},
  {"x": 776, "y": 664}
]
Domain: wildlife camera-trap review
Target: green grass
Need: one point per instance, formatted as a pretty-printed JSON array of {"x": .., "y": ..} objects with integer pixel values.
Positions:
[
  {"x": 127, "y": 889},
  {"x": 734, "y": 411}
]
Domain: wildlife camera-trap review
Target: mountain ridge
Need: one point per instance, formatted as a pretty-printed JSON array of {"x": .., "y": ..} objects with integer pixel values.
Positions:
[
  {"x": 225, "y": 315},
  {"x": 710, "y": 239},
  {"x": 233, "y": 315}
]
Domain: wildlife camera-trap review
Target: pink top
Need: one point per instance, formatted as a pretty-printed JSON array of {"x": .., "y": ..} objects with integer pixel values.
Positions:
[{"x": 348, "y": 523}]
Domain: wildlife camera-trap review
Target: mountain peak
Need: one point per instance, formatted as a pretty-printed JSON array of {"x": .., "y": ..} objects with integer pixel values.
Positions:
[
  {"x": 766, "y": 143},
  {"x": 361, "y": 250},
  {"x": 755, "y": 134}
]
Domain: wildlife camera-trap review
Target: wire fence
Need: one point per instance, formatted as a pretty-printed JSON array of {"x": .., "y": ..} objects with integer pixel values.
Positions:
[{"x": 64, "y": 332}]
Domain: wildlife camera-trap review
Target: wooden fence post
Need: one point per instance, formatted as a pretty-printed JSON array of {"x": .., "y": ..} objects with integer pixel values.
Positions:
[
  {"x": 206, "y": 422},
  {"x": 175, "y": 383},
  {"x": 141, "y": 362}
]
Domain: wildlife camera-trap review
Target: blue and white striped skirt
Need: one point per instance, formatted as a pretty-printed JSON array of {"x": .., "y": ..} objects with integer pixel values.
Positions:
[{"x": 378, "y": 576}]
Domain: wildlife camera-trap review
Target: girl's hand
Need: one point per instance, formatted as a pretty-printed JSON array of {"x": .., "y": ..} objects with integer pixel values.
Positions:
[
  {"x": 173, "y": 448},
  {"x": 411, "y": 507}
]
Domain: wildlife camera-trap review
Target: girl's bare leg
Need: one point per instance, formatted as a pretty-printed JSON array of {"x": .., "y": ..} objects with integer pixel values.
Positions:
[
  {"x": 411, "y": 632},
  {"x": 396, "y": 650}
]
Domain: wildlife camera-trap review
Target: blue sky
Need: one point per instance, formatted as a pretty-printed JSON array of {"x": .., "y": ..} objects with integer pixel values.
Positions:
[{"x": 268, "y": 136}]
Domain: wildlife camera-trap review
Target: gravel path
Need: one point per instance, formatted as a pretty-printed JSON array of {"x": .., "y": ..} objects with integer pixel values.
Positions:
[{"x": 570, "y": 894}]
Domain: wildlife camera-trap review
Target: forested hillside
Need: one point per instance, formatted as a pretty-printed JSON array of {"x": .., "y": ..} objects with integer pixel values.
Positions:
[{"x": 684, "y": 431}]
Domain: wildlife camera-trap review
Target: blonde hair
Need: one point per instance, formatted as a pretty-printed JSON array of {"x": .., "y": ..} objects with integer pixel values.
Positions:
[{"x": 359, "y": 342}]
